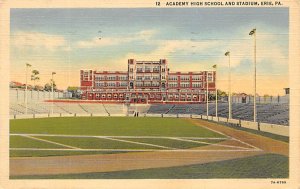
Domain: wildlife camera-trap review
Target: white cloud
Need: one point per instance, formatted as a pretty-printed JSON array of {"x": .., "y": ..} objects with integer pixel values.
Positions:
[
  {"x": 111, "y": 41},
  {"x": 165, "y": 48},
  {"x": 37, "y": 41}
]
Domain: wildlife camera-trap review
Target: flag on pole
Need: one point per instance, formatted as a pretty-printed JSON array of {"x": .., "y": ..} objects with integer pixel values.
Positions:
[
  {"x": 215, "y": 66},
  {"x": 252, "y": 32},
  {"x": 227, "y": 53},
  {"x": 53, "y": 73},
  {"x": 28, "y": 65}
]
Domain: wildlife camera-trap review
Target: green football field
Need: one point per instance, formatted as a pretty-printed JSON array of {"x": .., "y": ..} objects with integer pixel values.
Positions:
[
  {"x": 45, "y": 137},
  {"x": 98, "y": 135}
]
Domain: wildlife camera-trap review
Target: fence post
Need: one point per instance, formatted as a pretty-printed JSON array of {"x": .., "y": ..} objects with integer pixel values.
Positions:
[
  {"x": 240, "y": 123},
  {"x": 258, "y": 126}
]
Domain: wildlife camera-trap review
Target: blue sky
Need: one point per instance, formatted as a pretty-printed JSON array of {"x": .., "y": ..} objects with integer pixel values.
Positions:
[{"x": 192, "y": 39}]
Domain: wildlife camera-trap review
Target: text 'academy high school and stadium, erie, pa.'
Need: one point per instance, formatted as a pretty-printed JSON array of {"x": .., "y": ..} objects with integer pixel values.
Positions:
[{"x": 147, "y": 82}]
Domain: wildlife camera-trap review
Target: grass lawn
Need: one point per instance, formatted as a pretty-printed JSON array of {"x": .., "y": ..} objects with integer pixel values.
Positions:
[
  {"x": 168, "y": 142},
  {"x": 261, "y": 166},
  {"x": 96, "y": 143},
  {"x": 102, "y": 126},
  {"x": 40, "y": 153},
  {"x": 111, "y": 126},
  {"x": 24, "y": 142}
]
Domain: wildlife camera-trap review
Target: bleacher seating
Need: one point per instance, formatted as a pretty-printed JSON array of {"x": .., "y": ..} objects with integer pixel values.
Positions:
[
  {"x": 267, "y": 113},
  {"x": 159, "y": 108}
]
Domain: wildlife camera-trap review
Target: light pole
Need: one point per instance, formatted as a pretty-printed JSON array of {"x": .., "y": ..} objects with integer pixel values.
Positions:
[
  {"x": 229, "y": 85},
  {"x": 253, "y": 32},
  {"x": 26, "y": 104},
  {"x": 215, "y": 67},
  {"x": 52, "y": 90},
  {"x": 207, "y": 94}
]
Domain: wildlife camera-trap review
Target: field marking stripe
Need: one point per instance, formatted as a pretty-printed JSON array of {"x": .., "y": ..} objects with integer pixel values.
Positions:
[
  {"x": 48, "y": 141},
  {"x": 232, "y": 138},
  {"x": 132, "y": 150},
  {"x": 133, "y": 142},
  {"x": 214, "y": 144},
  {"x": 247, "y": 144},
  {"x": 59, "y": 135}
]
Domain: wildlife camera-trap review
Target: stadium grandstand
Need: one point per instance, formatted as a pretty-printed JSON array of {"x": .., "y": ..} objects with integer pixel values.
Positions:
[{"x": 274, "y": 113}]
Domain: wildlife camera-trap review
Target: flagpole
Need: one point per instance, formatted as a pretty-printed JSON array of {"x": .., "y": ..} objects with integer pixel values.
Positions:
[
  {"x": 216, "y": 91},
  {"x": 253, "y": 32},
  {"x": 229, "y": 86},
  {"x": 26, "y": 100},
  {"x": 207, "y": 94}
]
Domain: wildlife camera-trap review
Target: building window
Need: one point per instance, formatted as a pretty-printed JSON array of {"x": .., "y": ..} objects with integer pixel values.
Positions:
[
  {"x": 185, "y": 78},
  {"x": 147, "y": 84},
  {"x": 172, "y": 84},
  {"x": 155, "y": 77},
  {"x": 209, "y": 77},
  {"x": 156, "y": 69},
  {"x": 196, "y": 84},
  {"x": 147, "y": 69},
  {"x": 139, "y": 78},
  {"x": 155, "y": 84},
  {"x": 139, "y": 84},
  {"x": 147, "y": 77},
  {"x": 184, "y": 84},
  {"x": 196, "y": 77},
  {"x": 173, "y": 78}
]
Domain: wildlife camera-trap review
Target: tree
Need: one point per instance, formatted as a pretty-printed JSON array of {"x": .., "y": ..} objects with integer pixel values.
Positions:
[
  {"x": 220, "y": 94},
  {"x": 48, "y": 86},
  {"x": 74, "y": 90},
  {"x": 34, "y": 76}
]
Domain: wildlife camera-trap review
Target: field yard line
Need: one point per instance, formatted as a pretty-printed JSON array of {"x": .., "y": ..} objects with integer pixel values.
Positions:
[
  {"x": 157, "y": 137},
  {"x": 132, "y": 150},
  {"x": 232, "y": 138},
  {"x": 82, "y": 149},
  {"x": 142, "y": 143},
  {"x": 64, "y": 145},
  {"x": 246, "y": 143},
  {"x": 223, "y": 145},
  {"x": 216, "y": 131}
]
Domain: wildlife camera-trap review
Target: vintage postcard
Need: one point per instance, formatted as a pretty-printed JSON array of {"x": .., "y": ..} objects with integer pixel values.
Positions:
[{"x": 153, "y": 94}]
